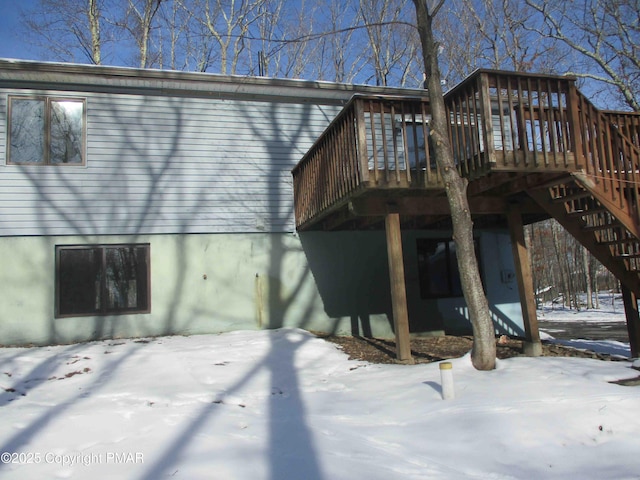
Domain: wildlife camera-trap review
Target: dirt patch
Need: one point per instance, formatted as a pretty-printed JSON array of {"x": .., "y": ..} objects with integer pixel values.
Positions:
[{"x": 435, "y": 349}]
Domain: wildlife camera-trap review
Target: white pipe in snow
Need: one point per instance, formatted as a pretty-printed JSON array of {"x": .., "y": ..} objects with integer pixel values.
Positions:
[{"x": 446, "y": 380}]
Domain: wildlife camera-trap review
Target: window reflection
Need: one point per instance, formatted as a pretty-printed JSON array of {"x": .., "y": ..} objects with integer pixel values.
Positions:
[
  {"x": 102, "y": 279},
  {"x": 46, "y": 131},
  {"x": 27, "y": 131},
  {"x": 66, "y": 132}
]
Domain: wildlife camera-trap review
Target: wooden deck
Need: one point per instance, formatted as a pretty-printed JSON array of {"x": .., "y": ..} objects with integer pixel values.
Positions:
[
  {"x": 379, "y": 146},
  {"x": 532, "y": 143},
  {"x": 509, "y": 132}
]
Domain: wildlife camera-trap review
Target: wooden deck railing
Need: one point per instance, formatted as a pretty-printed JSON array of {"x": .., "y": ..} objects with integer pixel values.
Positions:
[
  {"x": 396, "y": 151},
  {"x": 330, "y": 171},
  {"x": 627, "y": 123},
  {"x": 375, "y": 142},
  {"x": 610, "y": 145},
  {"x": 507, "y": 121},
  {"x": 499, "y": 121}
]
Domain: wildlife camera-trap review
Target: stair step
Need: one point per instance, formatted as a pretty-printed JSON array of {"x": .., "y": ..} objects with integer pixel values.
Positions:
[
  {"x": 598, "y": 228},
  {"x": 572, "y": 196},
  {"x": 623, "y": 241},
  {"x": 628, "y": 255},
  {"x": 584, "y": 213}
]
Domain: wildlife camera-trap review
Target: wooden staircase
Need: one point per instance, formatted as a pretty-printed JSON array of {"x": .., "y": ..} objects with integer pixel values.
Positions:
[
  {"x": 599, "y": 204},
  {"x": 596, "y": 227}
]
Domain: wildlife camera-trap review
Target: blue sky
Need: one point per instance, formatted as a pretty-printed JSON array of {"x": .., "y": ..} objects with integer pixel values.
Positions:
[{"x": 11, "y": 46}]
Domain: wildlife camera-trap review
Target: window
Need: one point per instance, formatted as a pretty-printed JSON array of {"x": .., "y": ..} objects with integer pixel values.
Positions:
[
  {"x": 438, "y": 268},
  {"x": 102, "y": 279},
  {"x": 415, "y": 133},
  {"x": 386, "y": 135},
  {"x": 46, "y": 131}
]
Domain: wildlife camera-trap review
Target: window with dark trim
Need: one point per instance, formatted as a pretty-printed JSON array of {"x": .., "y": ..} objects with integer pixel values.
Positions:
[
  {"x": 102, "y": 279},
  {"x": 438, "y": 268},
  {"x": 46, "y": 131}
]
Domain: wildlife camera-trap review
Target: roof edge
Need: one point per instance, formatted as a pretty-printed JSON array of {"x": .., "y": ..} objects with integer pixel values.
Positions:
[{"x": 84, "y": 74}]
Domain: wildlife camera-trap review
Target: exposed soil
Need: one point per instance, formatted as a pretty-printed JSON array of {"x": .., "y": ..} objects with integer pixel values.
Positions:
[{"x": 435, "y": 349}]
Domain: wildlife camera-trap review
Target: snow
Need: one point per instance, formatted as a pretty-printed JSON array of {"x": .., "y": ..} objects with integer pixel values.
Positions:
[
  {"x": 562, "y": 314},
  {"x": 611, "y": 310},
  {"x": 610, "y": 313},
  {"x": 284, "y": 404},
  {"x": 609, "y": 347}
]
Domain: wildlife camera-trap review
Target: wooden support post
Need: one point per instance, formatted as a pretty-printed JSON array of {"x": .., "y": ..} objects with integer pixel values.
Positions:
[
  {"x": 532, "y": 345},
  {"x": 398, "y": 288},
  {"x": 633, "y": 320}
]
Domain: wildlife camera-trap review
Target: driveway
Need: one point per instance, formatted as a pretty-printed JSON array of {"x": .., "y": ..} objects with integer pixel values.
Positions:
[{"x": 588, "y": 330}]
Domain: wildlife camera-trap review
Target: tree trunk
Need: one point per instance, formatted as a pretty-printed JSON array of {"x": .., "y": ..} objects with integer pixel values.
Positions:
[
  {"x": 596, "y": 289},
  {"x": 560, "y": 264},
  {"x": 587, "y": 278},
  {"x": 483, "y": 353},
  {"x": 93, "y": 15}
]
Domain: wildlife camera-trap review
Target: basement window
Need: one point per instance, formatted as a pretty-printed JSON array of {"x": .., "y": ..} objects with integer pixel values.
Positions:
[
  {"x": 102, "y": 279},
  {"x": 46, "y": 131},
  {"x": 438, "y": 268}
]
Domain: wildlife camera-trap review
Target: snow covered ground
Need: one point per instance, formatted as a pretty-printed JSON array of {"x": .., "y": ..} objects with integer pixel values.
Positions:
[
  {"x": 284, "y": 404},
  {"x": 611, "y": 310},
  {"x": 602, "y": 329}
]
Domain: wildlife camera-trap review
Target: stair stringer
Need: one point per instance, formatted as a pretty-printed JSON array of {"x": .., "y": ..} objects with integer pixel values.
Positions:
[
  {"x": 626, "y": 216},
  {"x": 580, "y": 230}
]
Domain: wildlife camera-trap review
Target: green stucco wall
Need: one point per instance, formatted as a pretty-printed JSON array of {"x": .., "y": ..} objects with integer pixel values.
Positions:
[
  {"x": 329, "y": 282},
  {"x": 199, "y": 284}
]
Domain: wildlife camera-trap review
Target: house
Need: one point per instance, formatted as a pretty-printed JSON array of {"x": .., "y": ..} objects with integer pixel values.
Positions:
[{"x": 141, "y": 202}]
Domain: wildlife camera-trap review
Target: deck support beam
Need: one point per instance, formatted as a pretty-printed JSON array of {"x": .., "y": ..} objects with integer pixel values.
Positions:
[
  {"x": 532, "y": 345},
  {"x": 398, "y": 288},
  {"x": 633, "y": 320}
]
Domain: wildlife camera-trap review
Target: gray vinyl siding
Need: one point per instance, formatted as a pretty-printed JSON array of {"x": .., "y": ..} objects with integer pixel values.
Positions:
[{"x": 162, "y": 164}]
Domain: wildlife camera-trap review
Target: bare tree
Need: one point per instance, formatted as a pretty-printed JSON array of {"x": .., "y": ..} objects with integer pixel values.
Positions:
[
  {"x": 196, "y": 47},
  {"x": 174, "y": 32},
  {"x": 390, "y": 47},
  {"x": 461, "y": 44},
  {"x": 605, "y": 35},
  {"x": 69, "y": 30},
  {"x": 268, "y": 23},
  {"x": 587, "y": 277},
  {"x": 283, "y": 43},
  {"x": 228, "y": 22},
  {"x": 560, "y": 265},
  {"x": 483, "y": 353},
  {"x": 138, "y": 21},
  {"x": 144, "y": 15},
  {"x": 342, "y": 52},
  {"x": 492, "y": 34},
  {"x": 93, "y": 18},
  {"x": 541, "y": 268}
]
